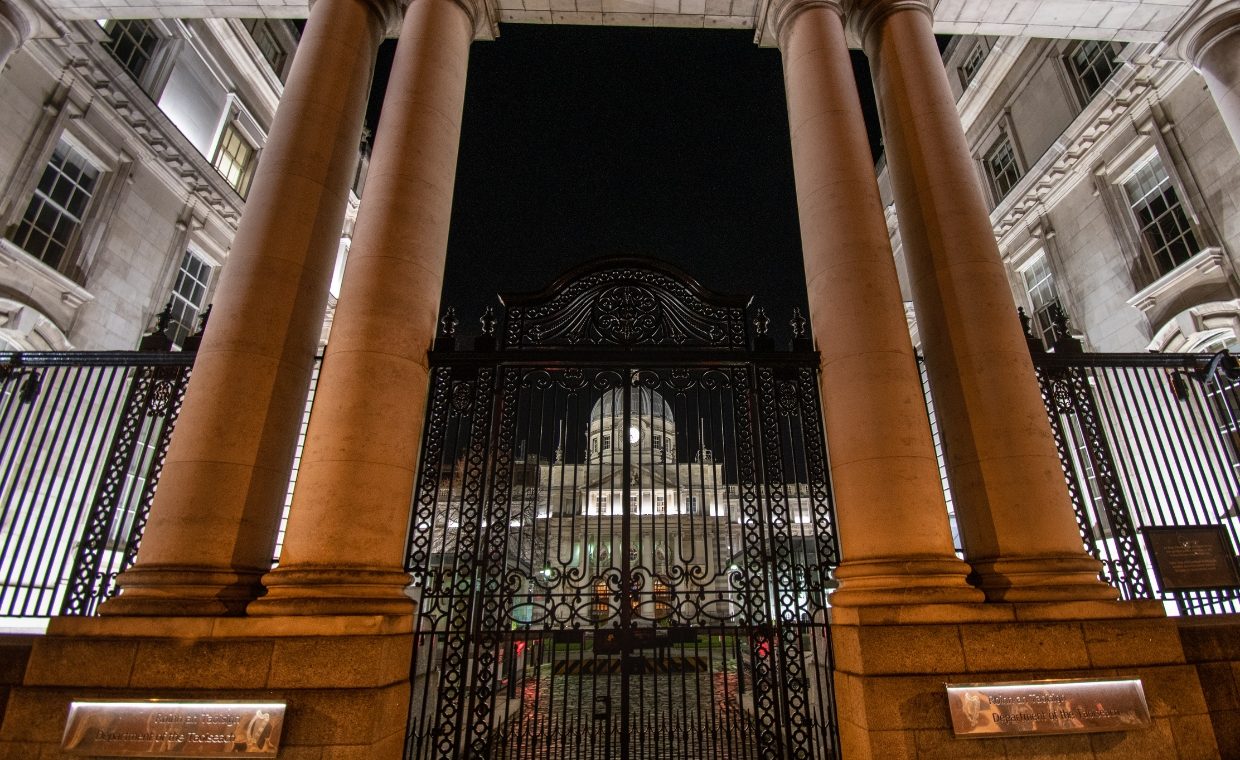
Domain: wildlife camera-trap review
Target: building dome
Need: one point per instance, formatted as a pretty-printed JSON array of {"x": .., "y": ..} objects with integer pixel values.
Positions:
[{"x": 644, "y": 404}]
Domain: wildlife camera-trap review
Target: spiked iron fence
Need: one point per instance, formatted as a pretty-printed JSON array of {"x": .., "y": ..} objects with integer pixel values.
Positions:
[
  {"x": 82, "y": 442},
  {"x": 1150, "y": 445}
]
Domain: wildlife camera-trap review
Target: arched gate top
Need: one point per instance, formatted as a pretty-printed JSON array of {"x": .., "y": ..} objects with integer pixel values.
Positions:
[{"x": 625, "y": 302}]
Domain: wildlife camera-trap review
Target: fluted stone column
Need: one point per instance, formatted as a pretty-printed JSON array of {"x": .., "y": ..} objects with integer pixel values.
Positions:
[
  {"x": 894, "y": 533},
  {"x": 344, "y": 544},
  {"x": 14, "y": 30},
  {"x": 1214, "y": 49},
  {"x": 1012, "y": 504},
  {"x": 213, "y": 524}
]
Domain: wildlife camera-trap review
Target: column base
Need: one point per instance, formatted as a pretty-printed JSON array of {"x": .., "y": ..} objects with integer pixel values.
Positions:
[
  {"x": 178, "y": 591},
  {"x": 902, "y": 581},
  {"x": 333, "y": 591},
  {"x": 1042, "y": 579}
]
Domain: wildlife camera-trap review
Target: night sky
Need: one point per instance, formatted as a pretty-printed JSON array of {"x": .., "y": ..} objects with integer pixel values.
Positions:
[{"x": 581, "y": 142}]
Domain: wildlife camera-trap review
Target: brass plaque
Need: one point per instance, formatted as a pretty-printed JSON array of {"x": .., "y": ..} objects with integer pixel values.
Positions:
[
  {"x": 1192, "y": 557},
  {"x": 156, "y": 728},
  {"x": 998, "y": 710}
]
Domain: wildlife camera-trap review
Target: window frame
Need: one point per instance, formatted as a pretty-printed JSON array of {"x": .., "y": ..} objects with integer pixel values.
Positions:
[
  {"x": 188, "y": 325},
  {"x": 245, "y": 178},
  {"x": 151, "y": 33},
  {"x": 1002, "y": 138},
  {"x": 68, "y": 257},
  {"x": 966, "y": 77},
  {"x": 168, "y": 36},
  {"x": 282, "y": 34},
  {"x": 1079, "y": 89},
  {"x": 1146, "y": 265},
  {"x": 1041, "y": 318}
]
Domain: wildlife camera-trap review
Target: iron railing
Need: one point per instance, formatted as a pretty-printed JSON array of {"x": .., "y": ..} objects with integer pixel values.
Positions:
[
  {"x": 82, "y": 442},
  {"x": 1148, "y": 442},
  {"x": 1150, "y": 445},
  {"x": 83, "y": 437}
]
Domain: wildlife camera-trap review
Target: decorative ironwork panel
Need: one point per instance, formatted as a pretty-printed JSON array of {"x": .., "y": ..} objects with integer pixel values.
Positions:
[
  {"x": 625, "y": 303},
  {"x": 621, "y": 551}
]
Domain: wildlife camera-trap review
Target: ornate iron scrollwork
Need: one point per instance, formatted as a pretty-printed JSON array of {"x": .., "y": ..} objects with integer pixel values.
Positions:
[{"x": 604, "y": 494}]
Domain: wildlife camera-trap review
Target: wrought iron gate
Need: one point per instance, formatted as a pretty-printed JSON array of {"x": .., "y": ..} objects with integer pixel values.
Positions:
[{"x": 622, "y": 532}]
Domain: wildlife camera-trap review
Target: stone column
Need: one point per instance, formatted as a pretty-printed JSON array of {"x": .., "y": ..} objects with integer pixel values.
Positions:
[
  {"x": 894, "y": 534},
  {"x": 1012, "y": 504},
  {"x": 1214, "y": 49},
  {"x": 344, "y": 543},
  {"x": 213, "y": 524},
  {"x": 14, "y": 30}
]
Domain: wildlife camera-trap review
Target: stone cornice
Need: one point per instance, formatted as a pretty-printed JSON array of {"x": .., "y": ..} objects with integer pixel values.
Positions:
[{"x": 865, "y": 15}]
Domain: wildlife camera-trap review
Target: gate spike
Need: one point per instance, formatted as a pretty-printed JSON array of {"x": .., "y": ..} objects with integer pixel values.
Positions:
[{"x": 797, "y": 323}]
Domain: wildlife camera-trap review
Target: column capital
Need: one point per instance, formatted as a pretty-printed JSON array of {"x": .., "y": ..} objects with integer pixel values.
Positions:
[
  {"x": 1197, "y": 38},
  {"x": 387, "y": 12},
  {"x": 19, "y": 20},
  {"x": 781, "y": 13},
  {"x": 863, "y": 16},
  {"x": 391, "y": 13}
]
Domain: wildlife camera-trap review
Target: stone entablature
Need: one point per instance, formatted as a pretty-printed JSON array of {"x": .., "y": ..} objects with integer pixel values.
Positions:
[{"x": 1141, "y": 21}]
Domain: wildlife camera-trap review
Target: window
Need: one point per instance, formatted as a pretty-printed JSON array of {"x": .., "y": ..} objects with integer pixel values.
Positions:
[
  {"x": 268, "y": 42},
  {"x": 235, "y": 159},
  {"x": 606, "y": 441},
  {"x": 973, "y": 63},
  {"x": 54, "y": 217},
  {"x": 660, "y": 504},
  {"x": 1040, "y": 284},
  {"x": 663, "y": 599},
  {"x": 599, "y": 610},
  {"x": 189, "y": 295},
  {"x": 1001, "y": 167},
  {"x": 1166, "y": 234},
  {"x": 1091, "y": 63},
  {"x": 132, "y": 43}
]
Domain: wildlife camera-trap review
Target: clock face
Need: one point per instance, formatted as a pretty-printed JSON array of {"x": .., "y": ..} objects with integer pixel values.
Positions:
[{"x": 634, "y": 435}]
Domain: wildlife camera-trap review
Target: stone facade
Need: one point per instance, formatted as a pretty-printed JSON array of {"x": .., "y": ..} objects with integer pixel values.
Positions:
[
  {"x": 1073, "y": 153},
  {"x": 155, "y": 140}
]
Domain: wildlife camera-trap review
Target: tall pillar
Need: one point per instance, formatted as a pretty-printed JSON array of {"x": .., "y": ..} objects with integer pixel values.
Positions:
[
  {"x": 213, "y": 523},
  {"x": 1214, "y": 49},
  {"x": 344, "y": 543},
  {"x": 894, "y": 533},
  {"x": 1012, "y": 504},
  {"x": 14, "y": 30}
]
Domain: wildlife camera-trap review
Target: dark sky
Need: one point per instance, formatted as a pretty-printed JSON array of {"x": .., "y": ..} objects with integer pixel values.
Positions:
[{"x": 580, "y": 142}]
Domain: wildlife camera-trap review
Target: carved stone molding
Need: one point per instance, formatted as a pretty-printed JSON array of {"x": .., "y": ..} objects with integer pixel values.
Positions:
[{"x": 1199, "y": 30}]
